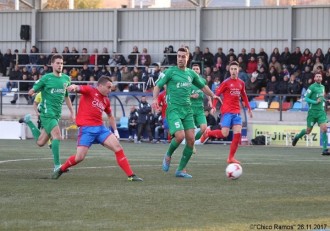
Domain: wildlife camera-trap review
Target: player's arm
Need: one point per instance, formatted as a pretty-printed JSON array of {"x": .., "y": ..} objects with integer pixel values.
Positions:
[
  {"x": 69, "y": 104},
  {"x": 113, "y": 124},
  {"x": 246, "y": 101},
  {"x": 73, "y": 88},
  {"x": 308, "y": 98}
]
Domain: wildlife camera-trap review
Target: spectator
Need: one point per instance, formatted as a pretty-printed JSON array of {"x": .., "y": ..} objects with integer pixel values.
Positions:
[
  {"x": 132, "y": 123},
  {"x": 137, "y": 71},
  {"x": 208, "y": 58},
  {"x": 252, "y": 86},
  {"x": 273, "y": 71},
  {"x": 274, "y": 63},
  {"x": 8, "y": 60},
  {"x": 103, "y": 58},
  {"x": 317, "y": 64},
  {"x": 252, "y": 54},
  {"x": 221, "y": 65},
  {"x": 251, "y": 66},
  {"x": 23, "y": 88},
  {"x": 264, "y": 56},
  {"x": 171, "y": 55},
  {"x": 241, "y": 63},
  {"x": 231, "y": 56},
  {"x": 244, "y": 56},
  {"x": 85, "y": 73},
  {"x": 305, "y": 56},
  {"x": 285, "y": 57},
  {"x": 285, "y": 71},
  {"x": 97, "y": 73},
  {"x": 216, "y": 74},
  {"x": 126, "y": 76},
  {"x": 283, "y": 87},
  {"x": 318, "y": 54},
  {"x": 83, "y": 59},
  {"x": 143, "y": 119},
  {"x": 133, "y": 57},
  {"x": 160, "y": 131},
  {"x": 207, "y": 71},
  {"x": 74, "y": 74},
  {"x": 326, "y": 62},
  {"x": 261, "y": 63},
  {"x": 326, "y": 81},
  {"x": 33, "y": 57},
  {"x": 295, "y": 57},
  {"x": 215, "y": 84},
  {"x": 209, "y": 81},
  {"x": 73, "y": 57},
  {"x": 306, "y": 79},
  {"x": 119, "y": 59},
  {"x": 93, "y": 58},
  {"x": 34, "y": 71},
  {"x": 23, "y": 58},
  {"x": 276, "y": 54},
  {"x": 271, "y": 90},
  {"x": 135, "y": 86},
  {"x": 14, "y": 75},
  {"x": 294, "y": 88},
  {"x": 42, "y": 60},
  {"x": 144, "y": 58},
  {"x": 242, "y": 74},
  {"x": 66, "y": 56},
  {"x": 308, "y": 63},
  {"x": 222, "y": 56},
  {"x": 53, "y": 52},
  {"x": 210, "y": 120},
  {"x": 197, "y": 55},
  {"x": 44, "y": 70},
  {"x": 165, "y": 60}
]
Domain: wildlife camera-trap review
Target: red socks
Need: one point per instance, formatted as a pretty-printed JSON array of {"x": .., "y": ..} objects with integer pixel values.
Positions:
[
  {"x": 234, "y": 145},
  {"x": 71, "y": 161},
  {"x": 123, "y": 162},
  {"x": 216, "y": 133}
]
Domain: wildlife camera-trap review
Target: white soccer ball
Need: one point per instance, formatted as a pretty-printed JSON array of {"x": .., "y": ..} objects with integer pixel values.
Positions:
[{"x": 234, "y": 171}]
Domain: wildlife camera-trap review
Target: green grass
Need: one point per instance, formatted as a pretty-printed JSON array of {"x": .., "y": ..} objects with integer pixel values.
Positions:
[{"x": 285, "y": 186}]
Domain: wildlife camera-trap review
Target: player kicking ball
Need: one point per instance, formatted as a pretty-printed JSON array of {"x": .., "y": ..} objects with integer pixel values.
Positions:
[
  {"x": 93, "y": 103},
  {"x": 232, "y": 89}
]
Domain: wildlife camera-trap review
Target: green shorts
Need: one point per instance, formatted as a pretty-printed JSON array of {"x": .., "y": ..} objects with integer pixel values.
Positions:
[
  {"x": 48, "y": 123},
  {"x": 199, "y": 116},
  {"x": 316, "y": 117},
  {"x": 179, "y": 118}
]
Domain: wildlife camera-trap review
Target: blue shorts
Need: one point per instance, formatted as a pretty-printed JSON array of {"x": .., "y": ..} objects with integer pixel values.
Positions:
[
  {"x": 165, "y": 124},
  {"x": 89, "y": 135},
  {"x": 230, "y": 119}
]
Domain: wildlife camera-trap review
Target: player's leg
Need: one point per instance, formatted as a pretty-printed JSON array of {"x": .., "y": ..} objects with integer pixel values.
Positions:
[
  {"x": 186, "y": 154},
  {"x": 324, "y": 136},
  {"x": 310, "y": 123},
  {"x": 218, "y": 133},
  {"x": 237, "y": 129},
  {"x": 112, "y": 143},
  {"x": 56, "y": 134},
  {"x": 27, "y": 120}
]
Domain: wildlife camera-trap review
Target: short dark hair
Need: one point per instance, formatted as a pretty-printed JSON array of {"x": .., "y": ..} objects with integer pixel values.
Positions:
[
  {"x": 57, "y": 56},
  {"x": 183, "y": 49},
  {"x": 233, "y": 63},
  {"x": 103, "y": 80}
]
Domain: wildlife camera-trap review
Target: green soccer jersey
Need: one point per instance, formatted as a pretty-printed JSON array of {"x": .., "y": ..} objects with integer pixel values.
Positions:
[
  {"x": 53, "y": 91},
  {"x": 314, "y": 92},
  {"x": 179, "y": 83},
  {"x": 197, "y": 102}
]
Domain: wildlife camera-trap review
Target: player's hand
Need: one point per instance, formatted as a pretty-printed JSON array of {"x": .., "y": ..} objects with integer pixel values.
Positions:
[
  {"x": 250, "y": 113},
  {"x": 31, "y": 92},
  {"x": 72, "y": 88},
  {"x": 212, "y": 111},
  {"x": 155, "y": 104},
  {"x": 116, "y": 133},
  {"x": 194, "y": 96},
  {"x": 218, "y": 98},
  {"x": 73, "y": 117}
]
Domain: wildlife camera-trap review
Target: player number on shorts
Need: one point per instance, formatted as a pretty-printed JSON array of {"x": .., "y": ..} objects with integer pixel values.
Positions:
[{"x": 177, "y": 124}]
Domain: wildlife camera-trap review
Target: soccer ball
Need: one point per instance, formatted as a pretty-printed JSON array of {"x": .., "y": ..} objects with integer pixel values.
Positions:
[{"x": 234, "y": 171}]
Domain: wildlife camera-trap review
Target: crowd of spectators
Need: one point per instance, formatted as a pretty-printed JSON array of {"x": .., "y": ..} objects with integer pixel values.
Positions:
[{"x": 287, "y": 73}]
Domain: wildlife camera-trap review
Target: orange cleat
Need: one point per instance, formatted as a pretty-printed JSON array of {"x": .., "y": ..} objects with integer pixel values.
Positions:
[{"x": 205, "y": 136}]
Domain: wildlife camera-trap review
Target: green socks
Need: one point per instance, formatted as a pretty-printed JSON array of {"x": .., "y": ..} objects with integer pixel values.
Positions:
[
  {"x": 324, "y": 140},
  {"x": 198, "y": 135},
  {"x": 301, "y": 134},
  {"x": 35, "y": 131},
  {"x": 173, "y": 146},
  {"x": 187, "y": 152},
  {"x": 56, "y": 152}
]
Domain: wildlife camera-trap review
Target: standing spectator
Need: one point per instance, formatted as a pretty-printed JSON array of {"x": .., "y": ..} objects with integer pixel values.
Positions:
[
  {"x": 103, "y": 58},
  {"x": 326, "y": 62},
  {"x": 83, "y": 57},
  {"x": 144, "y": 58},
  {"x": 318, "y": 54},
  {"x": 221, "y": 55},
  {"x": 197, "y": 55},
  {"x": 143, "y": 120},
  {"x": 208, "y": 57},
  {"x": 132, "y": 123},
  {"x": 85, "y": 73},
  {"x": 276, "y": 54},
  {"x": 244, "y": 56},
  {"x": 285, "y": 57},
  {"x": 133, "y": 58},
  {"x": 159, "y": 127},
  {"x": 295, "y": 57}
]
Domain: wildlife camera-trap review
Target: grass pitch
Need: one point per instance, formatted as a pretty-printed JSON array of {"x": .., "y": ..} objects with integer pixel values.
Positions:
[{"x": 280, "y": 187}]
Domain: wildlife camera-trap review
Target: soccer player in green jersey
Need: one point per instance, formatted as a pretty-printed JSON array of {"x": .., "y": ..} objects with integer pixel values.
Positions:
[
  {"x": 179, "y": 80},
  {"x": 53, "y": 91},
  {"x": 314, "y": 96},
  {"x": 197, "y": 104}
]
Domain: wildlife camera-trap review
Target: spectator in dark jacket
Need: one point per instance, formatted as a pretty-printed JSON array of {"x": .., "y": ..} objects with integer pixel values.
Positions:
[
  {"x": 143, "y": 120},
  {"x": 135, "y": 86},
  {"x": 283, "y": 87},
  {"x": 23, "y": 88},
  {"x": 271, "y": 90},
  {"x": 294, "y": 88},
  {"x": 132, "y": 123}
]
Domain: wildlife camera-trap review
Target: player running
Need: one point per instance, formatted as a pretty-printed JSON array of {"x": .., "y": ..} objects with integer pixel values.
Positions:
[
  {"x": 179, "y": 115},
  {"x": 93, "y": 103},
  {"x": 314, "y": 96},
  {"x": 232, "y": 89}
]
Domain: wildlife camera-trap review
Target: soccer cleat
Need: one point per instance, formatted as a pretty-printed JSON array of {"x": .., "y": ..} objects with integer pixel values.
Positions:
[
  {"x": 166, "y": 163},
  {"x": 57, "y": 173},
  {"x": 325, "y": 152},
  {"x": 182, "y": 174},
  {"x": 26, "y": 119},
  {"x": 233, "y": 160},
  {"x": 205, "y": 136},
  {"x": 134, "y": 178},
  {"x": 294, "y": 141},
  {"x": 194, "y": 150}
]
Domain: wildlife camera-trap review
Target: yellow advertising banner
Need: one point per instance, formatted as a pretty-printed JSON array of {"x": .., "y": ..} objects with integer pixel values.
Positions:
[{"x": 282, "y": 134}]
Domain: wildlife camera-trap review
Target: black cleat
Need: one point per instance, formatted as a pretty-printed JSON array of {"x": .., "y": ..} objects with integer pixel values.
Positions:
[
  {"x": 325, "y": 152},
  {"x": 294, "y": 141}
]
